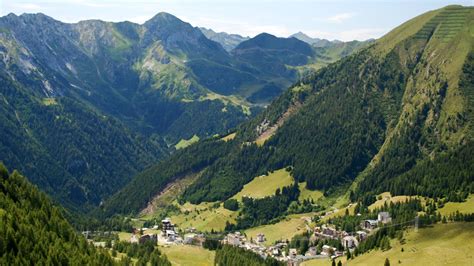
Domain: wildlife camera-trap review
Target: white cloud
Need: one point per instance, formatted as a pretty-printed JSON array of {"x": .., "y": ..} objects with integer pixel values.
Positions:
[
  {"x": 349, "y": 35},
  {"x": 362, "y": 34},
  {"x": 26, "y": 6},
  {"x": 339, "y": 18},
  {"x": 239, "y": 27},
  {"x": 140, "y": 19}
]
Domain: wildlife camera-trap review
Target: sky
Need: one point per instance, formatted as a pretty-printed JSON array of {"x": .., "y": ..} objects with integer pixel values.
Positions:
[{"x": 330, "y": 19}]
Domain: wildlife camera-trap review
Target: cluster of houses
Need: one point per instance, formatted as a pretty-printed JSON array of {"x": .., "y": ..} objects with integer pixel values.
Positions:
[
  {"x": 239, "y": 240},
  {"x": 280, "y": 252},
  {"x": 168, "y": 235}
]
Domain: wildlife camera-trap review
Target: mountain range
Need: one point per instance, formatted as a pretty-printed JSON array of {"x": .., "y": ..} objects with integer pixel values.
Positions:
[
  {"x": 278, "y": 138},
  {"x": 87, "y": 105},
  {"x": 316, "y": 42},
  {"x": 395, "y": 116},
  {"x": 228, "y": 41}
]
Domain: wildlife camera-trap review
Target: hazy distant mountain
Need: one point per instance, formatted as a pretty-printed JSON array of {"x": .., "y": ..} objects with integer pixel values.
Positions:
[
  {"x": 276, "y": 59},
  {"x": 228, "y": 41},
  {"x": 316, "y": 42}
]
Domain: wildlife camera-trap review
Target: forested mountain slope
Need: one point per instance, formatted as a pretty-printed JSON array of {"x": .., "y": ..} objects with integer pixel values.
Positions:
[
  {"x": 368, "y": 123},
  {"x": 85, "y": 106},
  {"x": 32, "y": 230},
  {"x": 71, "y": 152}
]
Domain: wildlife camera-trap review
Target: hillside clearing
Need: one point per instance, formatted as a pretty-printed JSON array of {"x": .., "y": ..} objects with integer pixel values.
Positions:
[
  {"x": 183, "y": 143},
  {"x": 387, "y": 197},
  {"x": 339, "y": 212},
  {"x": 229, "y": 137},
  {"x": 265, "y": 185},
  {"x": 203, "y": 217},
  {"x": 308, "y": 194},
  {"x": 462, "y": 207},
  {"x": 49, "y": 101}
]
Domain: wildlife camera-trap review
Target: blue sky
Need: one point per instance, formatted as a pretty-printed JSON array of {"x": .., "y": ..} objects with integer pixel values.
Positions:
[{"x": 336, "y": 19}]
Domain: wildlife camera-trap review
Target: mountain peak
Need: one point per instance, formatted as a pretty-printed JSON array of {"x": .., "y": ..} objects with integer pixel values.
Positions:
[
  {"x": 269, "y": 41},
  {"x": 228, "y": 40},
  {"x": 163, "y": 18},
  {"x": 31, "y": 18}
]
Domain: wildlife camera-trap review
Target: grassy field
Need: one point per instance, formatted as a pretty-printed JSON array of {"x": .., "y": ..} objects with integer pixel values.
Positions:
[
  {"x": 462, "y": 207},
  {"x": 49, "y": 101},
  {"x": 340, "y": 212},
  {"x": 325, "y": 262},
  {"x": 386, "y": 197},
  {"x": 233, "y": 99},
  {"x": 186, "y": 142},
  {"x": 309, "y": 194},
  {"x": 124, "y": 236},
  {"x": 283, "y": 230},
  {"x": 188, "y": 255},
  {"x": 443, "y": 244},
  {"x": 265, "y": 185},
  {"x": 203, "y": 217},
  {"x": 231, "y": 136}
]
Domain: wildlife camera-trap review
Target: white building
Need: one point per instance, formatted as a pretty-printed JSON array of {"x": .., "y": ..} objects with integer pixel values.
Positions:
[
  {"x": 349, "y": 242},
  {"x": 384, "y": 217},
  {"x": 234, "y": 239},
  {"x": 328, "y": 250},
  {"x": 361, "y": 235},
  {"x": 370, "y": 224},
  {"x": 170, "y": 235},
  {"x": 292, "y": 253}
]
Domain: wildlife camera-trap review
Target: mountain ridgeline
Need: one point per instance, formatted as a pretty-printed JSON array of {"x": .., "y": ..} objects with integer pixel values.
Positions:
[
  {"x": 85, "y": 106},
  {"x": 228, "y": 41},
  {"x": 396, "y": 116}
]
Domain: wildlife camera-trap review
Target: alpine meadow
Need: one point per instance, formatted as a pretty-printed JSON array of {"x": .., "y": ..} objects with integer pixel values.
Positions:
[{"x": 293, "y": 137}]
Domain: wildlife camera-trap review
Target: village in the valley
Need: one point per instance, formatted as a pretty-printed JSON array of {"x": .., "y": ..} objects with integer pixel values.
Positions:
[{"x": 167, "y": 233}]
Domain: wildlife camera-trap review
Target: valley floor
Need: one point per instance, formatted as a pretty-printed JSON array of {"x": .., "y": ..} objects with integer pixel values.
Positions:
[{"x": 188, "y": 255}]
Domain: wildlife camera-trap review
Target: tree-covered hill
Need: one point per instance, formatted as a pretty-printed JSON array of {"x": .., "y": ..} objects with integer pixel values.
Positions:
[
  {"x": 70, "y": 151},
  {"x": 33, "y": 231},
  {"x": 395, "y": 111}
]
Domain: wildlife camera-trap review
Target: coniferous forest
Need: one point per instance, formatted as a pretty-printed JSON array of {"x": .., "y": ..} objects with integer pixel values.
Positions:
[{"x": 33, "y": 230}]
